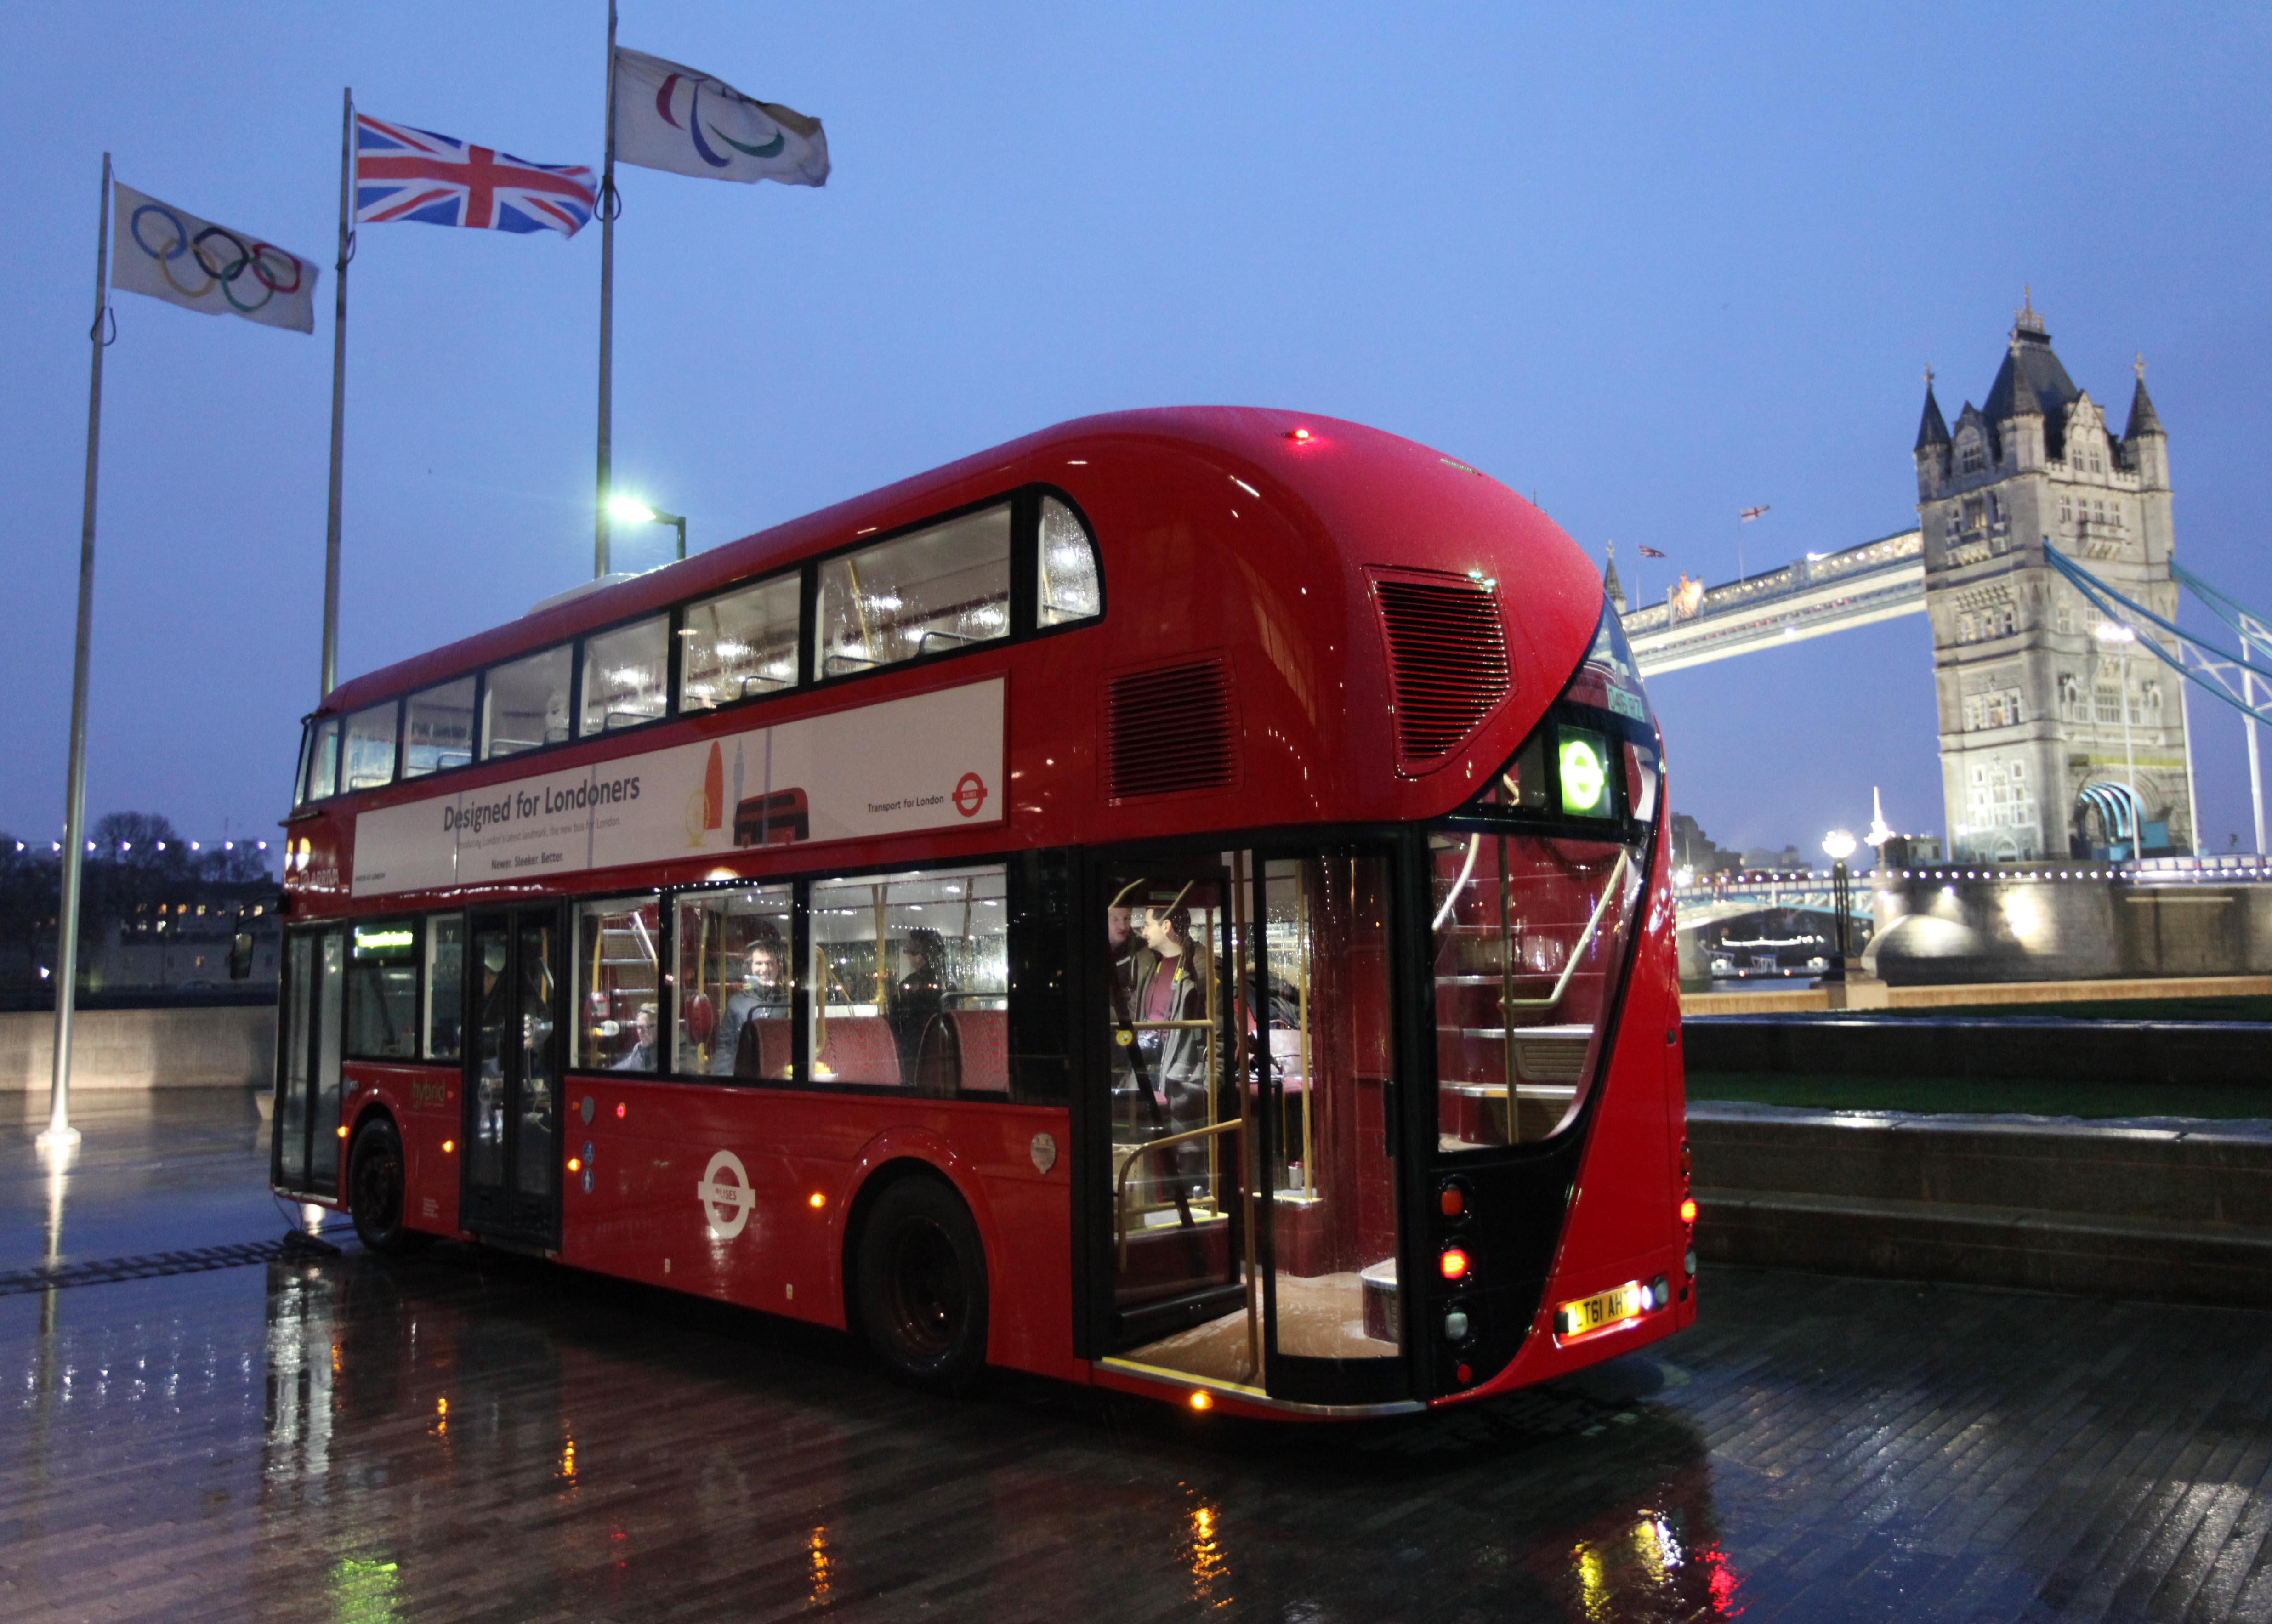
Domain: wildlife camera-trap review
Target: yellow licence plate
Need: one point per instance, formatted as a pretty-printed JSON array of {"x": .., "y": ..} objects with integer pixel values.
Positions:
[{"x": 1600, "y": 1311}]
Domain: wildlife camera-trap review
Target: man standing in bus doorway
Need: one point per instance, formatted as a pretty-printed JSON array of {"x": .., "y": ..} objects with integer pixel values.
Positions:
[
  {"x": 1173, "y": 989},
  {"x": 764, "y": 997}
]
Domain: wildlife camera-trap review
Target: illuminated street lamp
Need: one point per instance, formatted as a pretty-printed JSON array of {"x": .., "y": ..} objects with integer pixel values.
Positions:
[
  {"x": 631, "y": 510},
  {"x": 1838, "y": 845}
]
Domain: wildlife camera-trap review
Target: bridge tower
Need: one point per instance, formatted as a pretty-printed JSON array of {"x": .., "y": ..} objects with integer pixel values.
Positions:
[{"x": 2032, "y": 700}]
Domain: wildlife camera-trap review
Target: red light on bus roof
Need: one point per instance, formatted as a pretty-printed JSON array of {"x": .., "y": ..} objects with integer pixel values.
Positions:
[
  {"x": 1688, "y": 1210},
  {"x": 619, "y": 1113},
  {"x": 1300, "y": 436},
  {"x": 1453, "y": 1264}
]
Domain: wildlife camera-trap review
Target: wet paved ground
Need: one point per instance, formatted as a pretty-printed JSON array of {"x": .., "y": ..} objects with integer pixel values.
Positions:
[{"x": 476, "y": 1437}]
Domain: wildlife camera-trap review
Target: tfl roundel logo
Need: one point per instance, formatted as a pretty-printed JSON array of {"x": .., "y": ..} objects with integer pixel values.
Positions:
[{"x": 971, "y": 795}]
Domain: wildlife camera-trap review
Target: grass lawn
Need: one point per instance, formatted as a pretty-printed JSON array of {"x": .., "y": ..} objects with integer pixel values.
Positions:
[{"x": 1955, "y": 1094}]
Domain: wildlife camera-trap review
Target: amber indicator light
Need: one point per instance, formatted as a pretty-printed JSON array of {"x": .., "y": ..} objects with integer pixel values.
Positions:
[
  {"x": 1202, "y": 1401},
  {"x": 448, "y": 1145},
  {"x": 1688, "y": 1210},
  {"x": 1453, "y": 1264}
]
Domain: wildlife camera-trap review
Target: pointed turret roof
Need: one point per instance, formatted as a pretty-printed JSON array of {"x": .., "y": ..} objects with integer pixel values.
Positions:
[
  {"x": 1932, "y": 428},
  {"x": 1611, "y": 585},
  {"x": 2048, "y": 390},
  {"x": 2142, "y": 417}
]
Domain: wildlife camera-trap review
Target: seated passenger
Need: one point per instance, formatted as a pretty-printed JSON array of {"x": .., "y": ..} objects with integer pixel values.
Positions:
[
  {"x": 641, "y": 1056},
  {"x": 764, "y": 997}
]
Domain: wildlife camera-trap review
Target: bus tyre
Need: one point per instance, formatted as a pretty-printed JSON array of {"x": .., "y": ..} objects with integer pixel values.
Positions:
[
  {"x": 922, "y": 1286},
  {"x": 375, "y": 1183}
]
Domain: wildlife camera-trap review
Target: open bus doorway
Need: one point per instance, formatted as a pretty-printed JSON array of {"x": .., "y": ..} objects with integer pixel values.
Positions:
[{"x": 1252, "y": 1192}]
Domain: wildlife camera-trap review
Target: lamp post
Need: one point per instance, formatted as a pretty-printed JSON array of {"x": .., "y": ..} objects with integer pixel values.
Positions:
[
  {"x": 1838, "y": 845},
  {"x": 2120, "y": 637},
  {"x": 631, "y": 510}
]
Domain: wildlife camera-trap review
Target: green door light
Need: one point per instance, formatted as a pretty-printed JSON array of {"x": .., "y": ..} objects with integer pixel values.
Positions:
[{"x": 1585, "y": 778}]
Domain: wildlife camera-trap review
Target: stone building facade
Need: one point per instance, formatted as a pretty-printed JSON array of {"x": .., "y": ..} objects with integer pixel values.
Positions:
[{"x": 2037, "y": 706}]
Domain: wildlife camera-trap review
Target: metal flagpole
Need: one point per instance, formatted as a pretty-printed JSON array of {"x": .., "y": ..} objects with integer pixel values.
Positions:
[
  {"x": 609, "y": 207},
  {"x": 338, "y": 395},
  {"x": 61, "y": 1135}
]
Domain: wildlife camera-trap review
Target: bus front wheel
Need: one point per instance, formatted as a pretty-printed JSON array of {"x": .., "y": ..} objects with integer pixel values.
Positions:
[
  {"x": 376, "y": 1186},
  {"x": 922, "y": 1286}
]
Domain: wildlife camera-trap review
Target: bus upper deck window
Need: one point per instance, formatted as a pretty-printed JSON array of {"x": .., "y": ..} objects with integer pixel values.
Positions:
[
  {"x": 525, "y": 704},
  {"x": 1070, "y": 587},
  {"x": 738, "y": 644},
  {"x": 928, "y": 593},
  {"x": 624, "y": 681},
  {"x": 369, "y": 754},
  {"x": 324, "y": 760},
  {"x": 438, "y": 728}
]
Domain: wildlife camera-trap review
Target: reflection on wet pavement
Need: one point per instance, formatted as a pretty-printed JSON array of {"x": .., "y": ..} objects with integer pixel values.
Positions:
[{"x": 472, "y": 1436}]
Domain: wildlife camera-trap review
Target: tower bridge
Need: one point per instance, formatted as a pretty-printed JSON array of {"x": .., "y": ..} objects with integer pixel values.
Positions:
[
  {"x": 1808, "y": 597},
  {"x": 2054, "y": 741}
]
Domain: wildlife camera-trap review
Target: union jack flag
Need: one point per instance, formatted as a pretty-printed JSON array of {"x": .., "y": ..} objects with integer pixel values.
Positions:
[{"x": 406, "y": 173}]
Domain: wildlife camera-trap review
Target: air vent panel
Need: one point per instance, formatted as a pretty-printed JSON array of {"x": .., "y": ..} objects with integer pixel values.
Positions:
[
  {"x": 1447, "y": 664},
  {"x": 1168, "y": 730}
]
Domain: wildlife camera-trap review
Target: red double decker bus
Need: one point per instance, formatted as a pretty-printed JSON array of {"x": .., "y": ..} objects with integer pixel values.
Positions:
[{"x": 1178, "y": 903}]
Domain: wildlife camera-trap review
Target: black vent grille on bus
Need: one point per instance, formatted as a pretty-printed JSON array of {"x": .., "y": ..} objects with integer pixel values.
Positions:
[
  {"x": 1169, "y": 729},
  {"x": 1447, "y": 663}
]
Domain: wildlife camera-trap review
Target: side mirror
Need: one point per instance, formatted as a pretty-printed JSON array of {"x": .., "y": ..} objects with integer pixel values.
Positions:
[{"x": 240, "y": 956}]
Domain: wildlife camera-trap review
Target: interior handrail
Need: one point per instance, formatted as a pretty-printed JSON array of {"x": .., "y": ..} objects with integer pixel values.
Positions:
[
  {"x": 1120, "y": 1183},
  {"x": 1578, "y": 948}
]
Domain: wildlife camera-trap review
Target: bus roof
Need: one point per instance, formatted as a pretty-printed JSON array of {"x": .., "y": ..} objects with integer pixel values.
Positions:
[{"x": 1334, "y": 476}]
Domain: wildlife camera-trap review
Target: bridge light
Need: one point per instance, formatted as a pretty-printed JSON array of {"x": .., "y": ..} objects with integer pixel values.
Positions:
[{"x": 1838, "y": 845}]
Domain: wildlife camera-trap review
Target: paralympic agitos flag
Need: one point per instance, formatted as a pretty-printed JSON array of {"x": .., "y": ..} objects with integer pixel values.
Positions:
[
  {"x": 671, "y": 117},
  {"x": 171, "y": 254},
  {"x": 403, "y": 173}
]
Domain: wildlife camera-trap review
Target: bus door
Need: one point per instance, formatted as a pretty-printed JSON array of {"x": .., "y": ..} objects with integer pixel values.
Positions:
[
  {"x": 1321, "y": 1075},
  {"x": 1252, "y": 1199},
  {"x": 1179, "y": 1229},
  {"x": 305, "y": 1152},
  {"x": 512, "y": 1077}
]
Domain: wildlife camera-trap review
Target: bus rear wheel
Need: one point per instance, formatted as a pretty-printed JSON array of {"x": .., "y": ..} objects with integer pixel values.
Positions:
[
  {"x": 922, "y": 1286},
  {"x": 377, "y": 1181}
]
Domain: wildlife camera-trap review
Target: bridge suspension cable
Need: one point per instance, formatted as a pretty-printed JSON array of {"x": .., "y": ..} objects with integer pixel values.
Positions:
[{"x": 2232, "y": 677}]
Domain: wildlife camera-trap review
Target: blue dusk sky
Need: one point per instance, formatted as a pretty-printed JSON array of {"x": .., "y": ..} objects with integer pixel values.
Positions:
[{"x": 1654, "y": 264}]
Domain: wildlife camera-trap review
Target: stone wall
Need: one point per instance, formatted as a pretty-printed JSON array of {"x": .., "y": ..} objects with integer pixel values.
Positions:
[
  {"x": 135, "y": 1049},
  {"x": 2016, "y": 927}
]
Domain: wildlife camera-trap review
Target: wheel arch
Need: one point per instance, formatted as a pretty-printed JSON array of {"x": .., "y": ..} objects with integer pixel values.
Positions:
[{"x": 889, "y": 1160}]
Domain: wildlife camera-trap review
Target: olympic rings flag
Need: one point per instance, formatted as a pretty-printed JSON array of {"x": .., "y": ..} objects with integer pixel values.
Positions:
[
  {"x": 171, "y": 254},
  {"x": 674, "y": 119}
]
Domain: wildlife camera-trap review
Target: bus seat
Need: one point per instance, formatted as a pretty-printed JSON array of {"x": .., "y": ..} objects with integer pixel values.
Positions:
[
  {"x": 762, "y": 1051},
  {"x": 985, "y": 1034},
  {"x": 860, "y": 1049},
  {"x": 939, "y": 1057}
]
